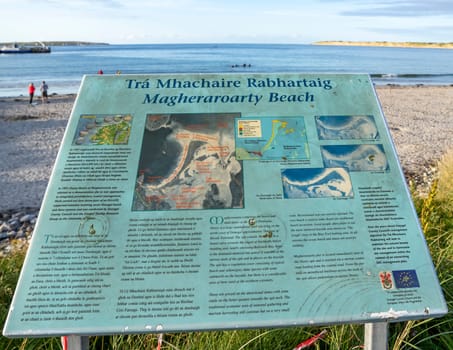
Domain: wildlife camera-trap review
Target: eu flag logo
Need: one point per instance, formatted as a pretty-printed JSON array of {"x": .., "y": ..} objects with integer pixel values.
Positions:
[{"x": 405, "y": 279}]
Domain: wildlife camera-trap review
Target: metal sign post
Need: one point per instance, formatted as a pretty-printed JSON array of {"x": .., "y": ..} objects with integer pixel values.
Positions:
[
  {"x": 75, "y": 342},
  {"x": 376, "y": 335}
]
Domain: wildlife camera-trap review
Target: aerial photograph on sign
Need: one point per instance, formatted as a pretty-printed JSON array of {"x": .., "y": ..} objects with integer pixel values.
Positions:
[
  {"x": 355, "y": 157},
  {"x": 316, "y": 183},
  {"x": 347, "y": 127},
  {"x": 103, "y": 130},
  {"x": 188, "y": 161}
]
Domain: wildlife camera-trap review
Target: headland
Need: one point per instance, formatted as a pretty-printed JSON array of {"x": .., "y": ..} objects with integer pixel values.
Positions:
[{"x": 408, "y": 44}]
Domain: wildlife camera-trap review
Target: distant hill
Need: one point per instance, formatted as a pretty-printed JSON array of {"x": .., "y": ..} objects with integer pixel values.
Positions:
[
  {"x": 54, "y": 43},
  {"x": 387, "y": 44}
]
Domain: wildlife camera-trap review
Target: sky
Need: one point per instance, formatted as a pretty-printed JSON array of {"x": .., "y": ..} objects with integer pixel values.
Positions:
[{"x": 226, "y": 21}]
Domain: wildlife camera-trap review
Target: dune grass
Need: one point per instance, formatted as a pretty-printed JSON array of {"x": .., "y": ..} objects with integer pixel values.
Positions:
[{"x": 435, "y": 214}]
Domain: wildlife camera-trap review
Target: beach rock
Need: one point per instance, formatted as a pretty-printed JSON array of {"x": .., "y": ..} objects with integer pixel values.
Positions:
[
  {"x": 13, "y": 223},
  {"x": 27, "y": 217},
  {"x": 4, "y": 227},
  {"x": 16, "y": 229}
]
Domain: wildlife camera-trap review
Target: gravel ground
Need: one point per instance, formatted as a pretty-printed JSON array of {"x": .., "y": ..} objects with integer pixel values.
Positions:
[
  {"x": 421, "y": 123},
  {"x": 30, "y": 137}
]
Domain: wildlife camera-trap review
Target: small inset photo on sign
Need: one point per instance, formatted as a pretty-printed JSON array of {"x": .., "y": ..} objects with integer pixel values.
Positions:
[
  {"x": 355, "y": 157},
  {"x": 346, "y": 127},
  {"x": 103, "y": 129},
  {"x": 276, "y": 138},
  {"x": 316, "y": 183}
]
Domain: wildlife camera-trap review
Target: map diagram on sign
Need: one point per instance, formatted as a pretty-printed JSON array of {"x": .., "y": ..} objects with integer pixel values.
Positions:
[
  {"x": 355, "y": 157},
  {"x": 347, "y": 127},
  {"x": 271, "y": 138},
  {"x": 188, "y": 161},
  {"x": 99, "y": 129},
  {"x": 316, "y": 183}
]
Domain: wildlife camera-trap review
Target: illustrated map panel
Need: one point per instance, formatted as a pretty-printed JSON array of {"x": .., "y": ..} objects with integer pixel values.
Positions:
[
  {"x": 198, "y": 202},
  {"x": 271, "y": 138}
]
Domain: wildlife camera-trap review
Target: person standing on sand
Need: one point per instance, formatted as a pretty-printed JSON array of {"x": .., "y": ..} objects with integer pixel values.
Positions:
[
  {"x": 44, "y": 89},
  {"x": 31, "y": 91}
]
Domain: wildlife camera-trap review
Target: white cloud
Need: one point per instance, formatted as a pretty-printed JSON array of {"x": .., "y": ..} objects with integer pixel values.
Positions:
[
  {"x": 402, "y": 8},
  {"x": 148, "y": 21}
]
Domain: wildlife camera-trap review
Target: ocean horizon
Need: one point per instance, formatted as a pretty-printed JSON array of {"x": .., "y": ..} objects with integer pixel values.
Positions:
[{"x": 64, "y": 68}]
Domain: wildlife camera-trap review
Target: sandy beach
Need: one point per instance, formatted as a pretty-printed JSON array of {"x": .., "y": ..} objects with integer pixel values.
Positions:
[{"x": 420, "y": 119}]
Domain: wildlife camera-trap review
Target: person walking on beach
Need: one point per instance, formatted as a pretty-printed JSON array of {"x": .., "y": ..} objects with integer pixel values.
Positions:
[
  {"x": 31, "y": 92},
  {"x": 44, "y": 89}
]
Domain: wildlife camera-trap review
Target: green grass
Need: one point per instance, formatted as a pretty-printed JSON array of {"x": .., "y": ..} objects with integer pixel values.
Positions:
[{"x": 436, "y": 217}]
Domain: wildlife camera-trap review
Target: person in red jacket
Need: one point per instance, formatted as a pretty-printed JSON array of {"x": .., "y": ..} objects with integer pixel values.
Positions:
[{"x": 31, "y": 91}]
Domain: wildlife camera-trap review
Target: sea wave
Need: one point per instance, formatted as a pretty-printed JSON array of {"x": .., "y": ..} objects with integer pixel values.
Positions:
[{"x": 413, "y": 78}]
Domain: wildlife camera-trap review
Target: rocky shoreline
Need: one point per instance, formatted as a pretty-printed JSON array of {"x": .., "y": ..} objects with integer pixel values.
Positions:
[
  {"x": 420, "y": 120},
  {"x": 16, "y": 229}
]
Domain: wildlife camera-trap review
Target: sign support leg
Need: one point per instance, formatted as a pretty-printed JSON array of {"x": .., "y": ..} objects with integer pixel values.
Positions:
[
  {"x": 376, "y": 336},
  {"x": 76, "y": 342}
]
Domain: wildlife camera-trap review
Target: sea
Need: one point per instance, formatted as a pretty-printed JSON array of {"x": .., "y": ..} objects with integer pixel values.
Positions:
[{"x": 64, "y": 68}]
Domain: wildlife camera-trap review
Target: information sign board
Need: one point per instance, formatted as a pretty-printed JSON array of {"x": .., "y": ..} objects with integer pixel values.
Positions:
[{"x": 224, "y": 201}]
